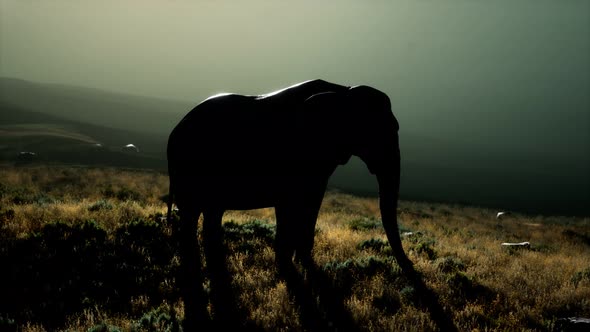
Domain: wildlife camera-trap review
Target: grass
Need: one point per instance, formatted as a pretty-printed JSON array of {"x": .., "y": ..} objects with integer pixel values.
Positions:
[{"x": 88, "y": 249}]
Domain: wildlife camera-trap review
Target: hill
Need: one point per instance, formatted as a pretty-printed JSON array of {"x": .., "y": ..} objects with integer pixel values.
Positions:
[
  {"x": 88, "y": 249},
  {"x": 54, "y": 139},
  {"x": 103, "y": 108}
]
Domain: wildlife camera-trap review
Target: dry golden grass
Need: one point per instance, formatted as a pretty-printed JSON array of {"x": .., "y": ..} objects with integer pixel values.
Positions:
[{"x": 484, "y": 286}]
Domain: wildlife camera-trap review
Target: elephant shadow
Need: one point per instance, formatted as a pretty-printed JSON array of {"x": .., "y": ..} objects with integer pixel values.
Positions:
[
  {"x": 320, "y": 303},
  {"x": 61, "y": 270},
  {"x": 319, "y": 293}
]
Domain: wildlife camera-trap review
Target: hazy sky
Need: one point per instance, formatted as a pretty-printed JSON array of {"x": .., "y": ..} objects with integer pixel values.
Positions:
[{"x": 504, "y": 64}]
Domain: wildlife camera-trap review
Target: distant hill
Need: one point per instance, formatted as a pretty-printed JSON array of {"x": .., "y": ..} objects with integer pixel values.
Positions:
[
  {"x": 93, "y": 106},
  {"x": 54, "y": 139}
]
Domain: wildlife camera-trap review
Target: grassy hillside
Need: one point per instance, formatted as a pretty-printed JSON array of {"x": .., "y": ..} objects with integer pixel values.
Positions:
[
  {"x": 87, "y": 249},
  {"x": 54, "y": 139}
]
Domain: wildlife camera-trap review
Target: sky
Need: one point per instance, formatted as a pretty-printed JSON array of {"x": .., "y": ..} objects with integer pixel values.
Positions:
[{"x": 515, "y": 71}]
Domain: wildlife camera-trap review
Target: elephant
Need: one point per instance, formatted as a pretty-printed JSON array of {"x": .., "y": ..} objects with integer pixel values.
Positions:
[{"x": 239, "y": 152}]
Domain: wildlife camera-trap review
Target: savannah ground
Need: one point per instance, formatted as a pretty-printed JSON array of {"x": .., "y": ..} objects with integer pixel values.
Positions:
[{"x": 89, "y": 249}]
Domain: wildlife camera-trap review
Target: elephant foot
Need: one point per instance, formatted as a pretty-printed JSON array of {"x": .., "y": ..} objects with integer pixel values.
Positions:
[
  {"x": 286, "y": 270},
  {"x": 306, "y": 261},
  {"x": 407, "y": 266},
  {"x": 196, "y": 320}
]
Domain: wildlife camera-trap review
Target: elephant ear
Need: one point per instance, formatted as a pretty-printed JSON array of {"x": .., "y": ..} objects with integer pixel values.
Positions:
[
  {"x": 325, "y": 119},
  {"x": 326, "y": 109}
]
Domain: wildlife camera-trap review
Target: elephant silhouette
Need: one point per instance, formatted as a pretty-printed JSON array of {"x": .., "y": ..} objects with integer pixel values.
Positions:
[{"x": 238, "y": 152}]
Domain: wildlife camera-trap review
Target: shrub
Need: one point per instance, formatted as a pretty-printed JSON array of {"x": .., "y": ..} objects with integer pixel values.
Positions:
[
  {"x": 364, "y": 224},
  {"x": 425, "y": 248},
  {"x": 374, "y": 244},
  {"x": 389, "y": 301},
  {"x": 377, "y": 245},
  {"x": 7, "y": 323},
  {"x": 22, "y": 196},
  {"x": 349, "y": 272},
  {"x": 101, "y": 204},
  {"x": 408, "y": 294},
  {"x": 576, "y": 237},
  {"x": 7, "y": 215},
  {"x": 4, "y": 190},
  {"x": 126, "y": 194},
  {"x": 160, "y": 319},
  {"x": 257, "y": 229},
  {"x": 449, "y": 264},
  {"x": 581, "y": 276},
  {"x": 104, "y": 327},
  {"x": 123, "y": 194}
]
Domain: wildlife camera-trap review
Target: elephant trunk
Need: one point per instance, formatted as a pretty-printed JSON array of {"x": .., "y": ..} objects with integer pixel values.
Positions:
[{"x": 388, "y": 197}]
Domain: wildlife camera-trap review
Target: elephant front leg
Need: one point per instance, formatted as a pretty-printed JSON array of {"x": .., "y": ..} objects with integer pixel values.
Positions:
[
  {"x": 195, "y": 304},
  {"x": 284, "y": 240},
  {"x": 296, "y": 222},
  {"x": 306, "y": 234}
]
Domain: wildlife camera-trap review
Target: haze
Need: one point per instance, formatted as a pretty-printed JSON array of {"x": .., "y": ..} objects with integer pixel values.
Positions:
[{"x": 475, "y": 84}]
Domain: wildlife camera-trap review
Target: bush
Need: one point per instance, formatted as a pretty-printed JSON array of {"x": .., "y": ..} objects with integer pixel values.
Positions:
[
  {"x": 408, "y": 294},
  {"x": 364, "y": 224},
  {"x": 349, "y": 272},
  {"x": 104, "y": 327},
  {"x": 374, "y": 244},
  {"x": 257, "y": 229},
  {"x": 581, "y": 276},
  {"x": 377, "y": 245},
  {"x": 425, "y": 248},
  {"x": 449, "y": 264},
  {"x": 123, "y": 194},
  {"x": 159, "y": 319},
  {"x": 126, "y": 194},
  {"x": 101, "y": 204},
  {"x": 22, "y": 196}
]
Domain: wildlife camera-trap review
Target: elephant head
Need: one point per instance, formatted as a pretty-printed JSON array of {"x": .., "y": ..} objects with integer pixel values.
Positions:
[{"x": 369, "y": 130}]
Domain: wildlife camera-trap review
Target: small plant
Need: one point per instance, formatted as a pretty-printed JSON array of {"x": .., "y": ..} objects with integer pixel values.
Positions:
[
  {"x": 104, "y": 327},
  {"x": 408, "y": 294},
  {"x": 543, "y": 247},
  {"x": 160, "y": 319},
  {"x": 101, "y": 204},
  {"x": 389, "y": 301},
  {"x": 126, "y": 194},
  {"x": 449, "y": 264},
  {"x": 7, "y": 215},
  {"x": 257, "y": 229},
  {"x": 374, "y": 244},
  {"x": 377, "y": 245},
  {"x": 580, "y": 276},
  {"x": 7, "y": 323},
  {"x": 349, "y": 272},
  {"x": 576, "y": 237},
  {"x": 22, "y": 196},
  {"x": 425, "y": 248},
  {"x": 123, "y": 194},
  {"x": 364, "y": 224}
]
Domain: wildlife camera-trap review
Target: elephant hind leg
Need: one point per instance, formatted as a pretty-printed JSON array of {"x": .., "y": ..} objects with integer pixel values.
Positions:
[
  {"x": 213, "y": 240},
  {"x": 225, "y": 309},
  {"x": 191, "y": 281}
]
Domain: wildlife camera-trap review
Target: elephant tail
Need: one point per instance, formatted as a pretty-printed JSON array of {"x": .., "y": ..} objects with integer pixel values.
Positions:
[{"x": 170, "y": 200}]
